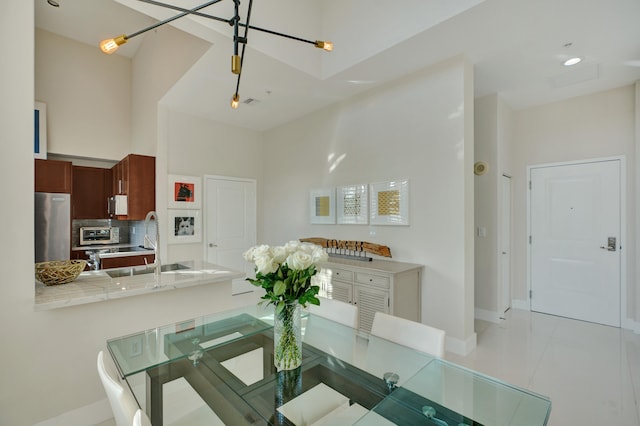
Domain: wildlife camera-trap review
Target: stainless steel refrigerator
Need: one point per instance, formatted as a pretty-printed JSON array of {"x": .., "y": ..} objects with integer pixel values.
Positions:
[{"x": 52, "y": 226}]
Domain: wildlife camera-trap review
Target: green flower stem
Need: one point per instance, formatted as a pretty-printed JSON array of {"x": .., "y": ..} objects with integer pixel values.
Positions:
[{"x": 288, "y": 354}]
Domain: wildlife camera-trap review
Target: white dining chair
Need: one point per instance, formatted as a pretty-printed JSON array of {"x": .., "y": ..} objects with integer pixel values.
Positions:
[
  {"x": 409, "y": 333},
  {"x": 336, "y": 310},
  {"x": 123, "y": 404},
  {"x": 141, "y": 418}
]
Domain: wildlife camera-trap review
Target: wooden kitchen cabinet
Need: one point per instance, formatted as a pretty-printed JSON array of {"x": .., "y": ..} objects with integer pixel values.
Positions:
[
  {"x": 376, "y": 286},
  {"x": 125, "y": 261},
  {"x": 53, "y": 176},
  {"x": 135, "y": 177},
  {"x": 91, "y": 190}
]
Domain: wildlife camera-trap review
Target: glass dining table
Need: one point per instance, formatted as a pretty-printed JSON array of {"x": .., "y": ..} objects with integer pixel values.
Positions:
[{"x": 346, "y": 377}]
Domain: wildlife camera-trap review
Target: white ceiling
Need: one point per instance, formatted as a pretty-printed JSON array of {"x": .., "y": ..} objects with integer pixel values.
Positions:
[{"x": 516, "y": 47}]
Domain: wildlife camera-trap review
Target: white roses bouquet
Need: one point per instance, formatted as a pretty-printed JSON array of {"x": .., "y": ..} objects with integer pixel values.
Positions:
[{"x": 285, "y": 272}]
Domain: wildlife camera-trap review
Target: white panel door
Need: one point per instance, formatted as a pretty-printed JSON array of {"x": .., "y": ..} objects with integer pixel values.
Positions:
[
  {"x": 231, "y": 225},
  {"x": 575, "y": 241}
]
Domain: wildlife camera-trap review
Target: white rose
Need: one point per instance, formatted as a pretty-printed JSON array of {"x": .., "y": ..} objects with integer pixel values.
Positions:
[
  {"x": 266, "y": 265},
  {"x": 292, "y": 246},
  {"x": 315, "y": 251},
  {"x": 279, "y": 254},
  {"x": 299, "y": 260},
  {"x": 248, "y": 255},
  {"x": 319, "y": 255},
  {"x": 261, "y": 251}
]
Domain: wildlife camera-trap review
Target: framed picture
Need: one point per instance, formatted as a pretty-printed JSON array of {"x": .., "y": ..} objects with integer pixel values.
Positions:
[
  {"x": 184, "y": 192},
  {"x": 322, "y": 206},
  {"x": 185, "y": 226},
  {"x": 353, "y": 204},
  {"x": 40, "y": 130},
  {"x": 389, "y": 203}
]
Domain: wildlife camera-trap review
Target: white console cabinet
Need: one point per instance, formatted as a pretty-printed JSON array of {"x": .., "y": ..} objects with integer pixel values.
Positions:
[{"x": 375, "y": 286}]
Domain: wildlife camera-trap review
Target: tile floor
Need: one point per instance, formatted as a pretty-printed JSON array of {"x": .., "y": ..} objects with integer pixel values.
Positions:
[{"x": 591, "y": 372}]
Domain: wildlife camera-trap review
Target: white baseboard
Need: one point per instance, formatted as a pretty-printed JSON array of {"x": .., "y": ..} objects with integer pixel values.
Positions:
[
  {"x": 91, "y": 414},
  {"x": 461, "y": 347},
  {"x": 483, "y": 314},
  {"x": 520, "y": 304}
]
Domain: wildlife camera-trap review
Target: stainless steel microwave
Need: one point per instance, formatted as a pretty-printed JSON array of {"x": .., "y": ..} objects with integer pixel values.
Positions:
[{"x": 90, "y": 235}]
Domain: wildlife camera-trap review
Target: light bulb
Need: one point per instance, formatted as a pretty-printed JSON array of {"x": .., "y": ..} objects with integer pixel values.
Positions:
[
  {"x": 110, "y": 45},
  {"x": 572, "y": 61},
  {"x": 326, "y": 45},
  {"x": 235, "y": 101}
]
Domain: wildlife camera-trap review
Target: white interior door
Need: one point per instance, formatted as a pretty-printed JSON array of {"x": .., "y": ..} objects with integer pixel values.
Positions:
[
  {"x": 575, "y": 227},
  {"x": 505, "y": 237},
  {"x": 231, "y": 224}
]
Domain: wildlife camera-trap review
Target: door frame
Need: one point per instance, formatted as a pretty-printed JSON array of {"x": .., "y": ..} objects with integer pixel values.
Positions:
[{"x": 623, "y": 226}]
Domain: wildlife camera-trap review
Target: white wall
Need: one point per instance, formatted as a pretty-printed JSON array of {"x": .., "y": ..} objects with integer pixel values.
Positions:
[
  {"x": 48, "y": 358},
  {"x": 198, "y": 147},
  {"x": 416, "y": 128},
  {"x": 594, "y": 126},
  {"x": 486, "y": 202},
  {"x": 493, "y": 144},
  {"x": 163, "y": 57},
  {"x": 69, "y": 77}
]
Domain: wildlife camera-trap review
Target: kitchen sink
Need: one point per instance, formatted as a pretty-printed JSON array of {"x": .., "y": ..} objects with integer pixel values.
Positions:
[{"x": 140, "y": 270}]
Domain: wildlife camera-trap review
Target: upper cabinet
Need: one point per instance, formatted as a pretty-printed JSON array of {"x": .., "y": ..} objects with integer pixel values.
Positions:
[
  {"x": 53, "y": 176},
  {"x": 135, "y": 177},
  {"x": 91, "y": 189}
]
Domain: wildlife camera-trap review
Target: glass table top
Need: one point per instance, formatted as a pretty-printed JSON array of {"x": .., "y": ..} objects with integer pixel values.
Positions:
[{"x": 345, "y": 378}]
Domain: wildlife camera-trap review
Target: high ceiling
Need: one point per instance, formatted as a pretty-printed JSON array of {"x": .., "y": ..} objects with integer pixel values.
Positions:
[{"x": 516, "y": 47}]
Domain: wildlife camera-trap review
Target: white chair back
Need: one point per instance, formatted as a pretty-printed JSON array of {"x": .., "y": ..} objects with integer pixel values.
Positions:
[
  {"x": 141, "y": 419},
  {"x": 123, "y": 404},
  {"x": 409, "y": 333},
  {"x": 336, "y": 310}
]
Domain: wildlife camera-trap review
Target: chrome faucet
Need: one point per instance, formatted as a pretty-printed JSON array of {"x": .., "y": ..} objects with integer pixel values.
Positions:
[{"x": 156, "y": 245}]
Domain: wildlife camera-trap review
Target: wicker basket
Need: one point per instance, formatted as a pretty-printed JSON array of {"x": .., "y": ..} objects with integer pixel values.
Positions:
[{"x": 59, "y": 271}]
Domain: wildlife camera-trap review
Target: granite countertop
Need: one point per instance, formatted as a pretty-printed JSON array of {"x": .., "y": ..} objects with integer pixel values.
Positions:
[{"x": 97, "y": 286}]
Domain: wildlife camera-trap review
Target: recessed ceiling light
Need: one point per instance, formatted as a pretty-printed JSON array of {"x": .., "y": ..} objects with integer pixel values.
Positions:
[{"x": 572, "y": 61}]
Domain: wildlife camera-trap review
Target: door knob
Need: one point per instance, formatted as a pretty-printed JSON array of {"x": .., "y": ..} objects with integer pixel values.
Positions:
[
  {"x": 213, "y": 245},
  {"x": 611, "y": 244}
]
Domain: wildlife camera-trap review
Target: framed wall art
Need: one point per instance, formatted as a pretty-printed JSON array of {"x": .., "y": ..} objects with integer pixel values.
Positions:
[
  {"x": 184, "y": 192},
  {"x": 322, "y": 206},
  {"x": 352, "y": 204},
  {"x": 389, "y": 203},
  {"x": 40, "y": 130},
  {"x": 185, "y": 226}
]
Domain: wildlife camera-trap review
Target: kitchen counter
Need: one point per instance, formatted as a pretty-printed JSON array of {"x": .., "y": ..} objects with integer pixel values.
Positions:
[
  {"x": 126, "y": 251},
  {"x": 98, "y": 286},
  {"x": 115, "y": 250}
]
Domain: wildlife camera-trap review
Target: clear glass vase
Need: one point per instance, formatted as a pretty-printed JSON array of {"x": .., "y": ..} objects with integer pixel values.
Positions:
[{"x": 287, "y": 337}]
